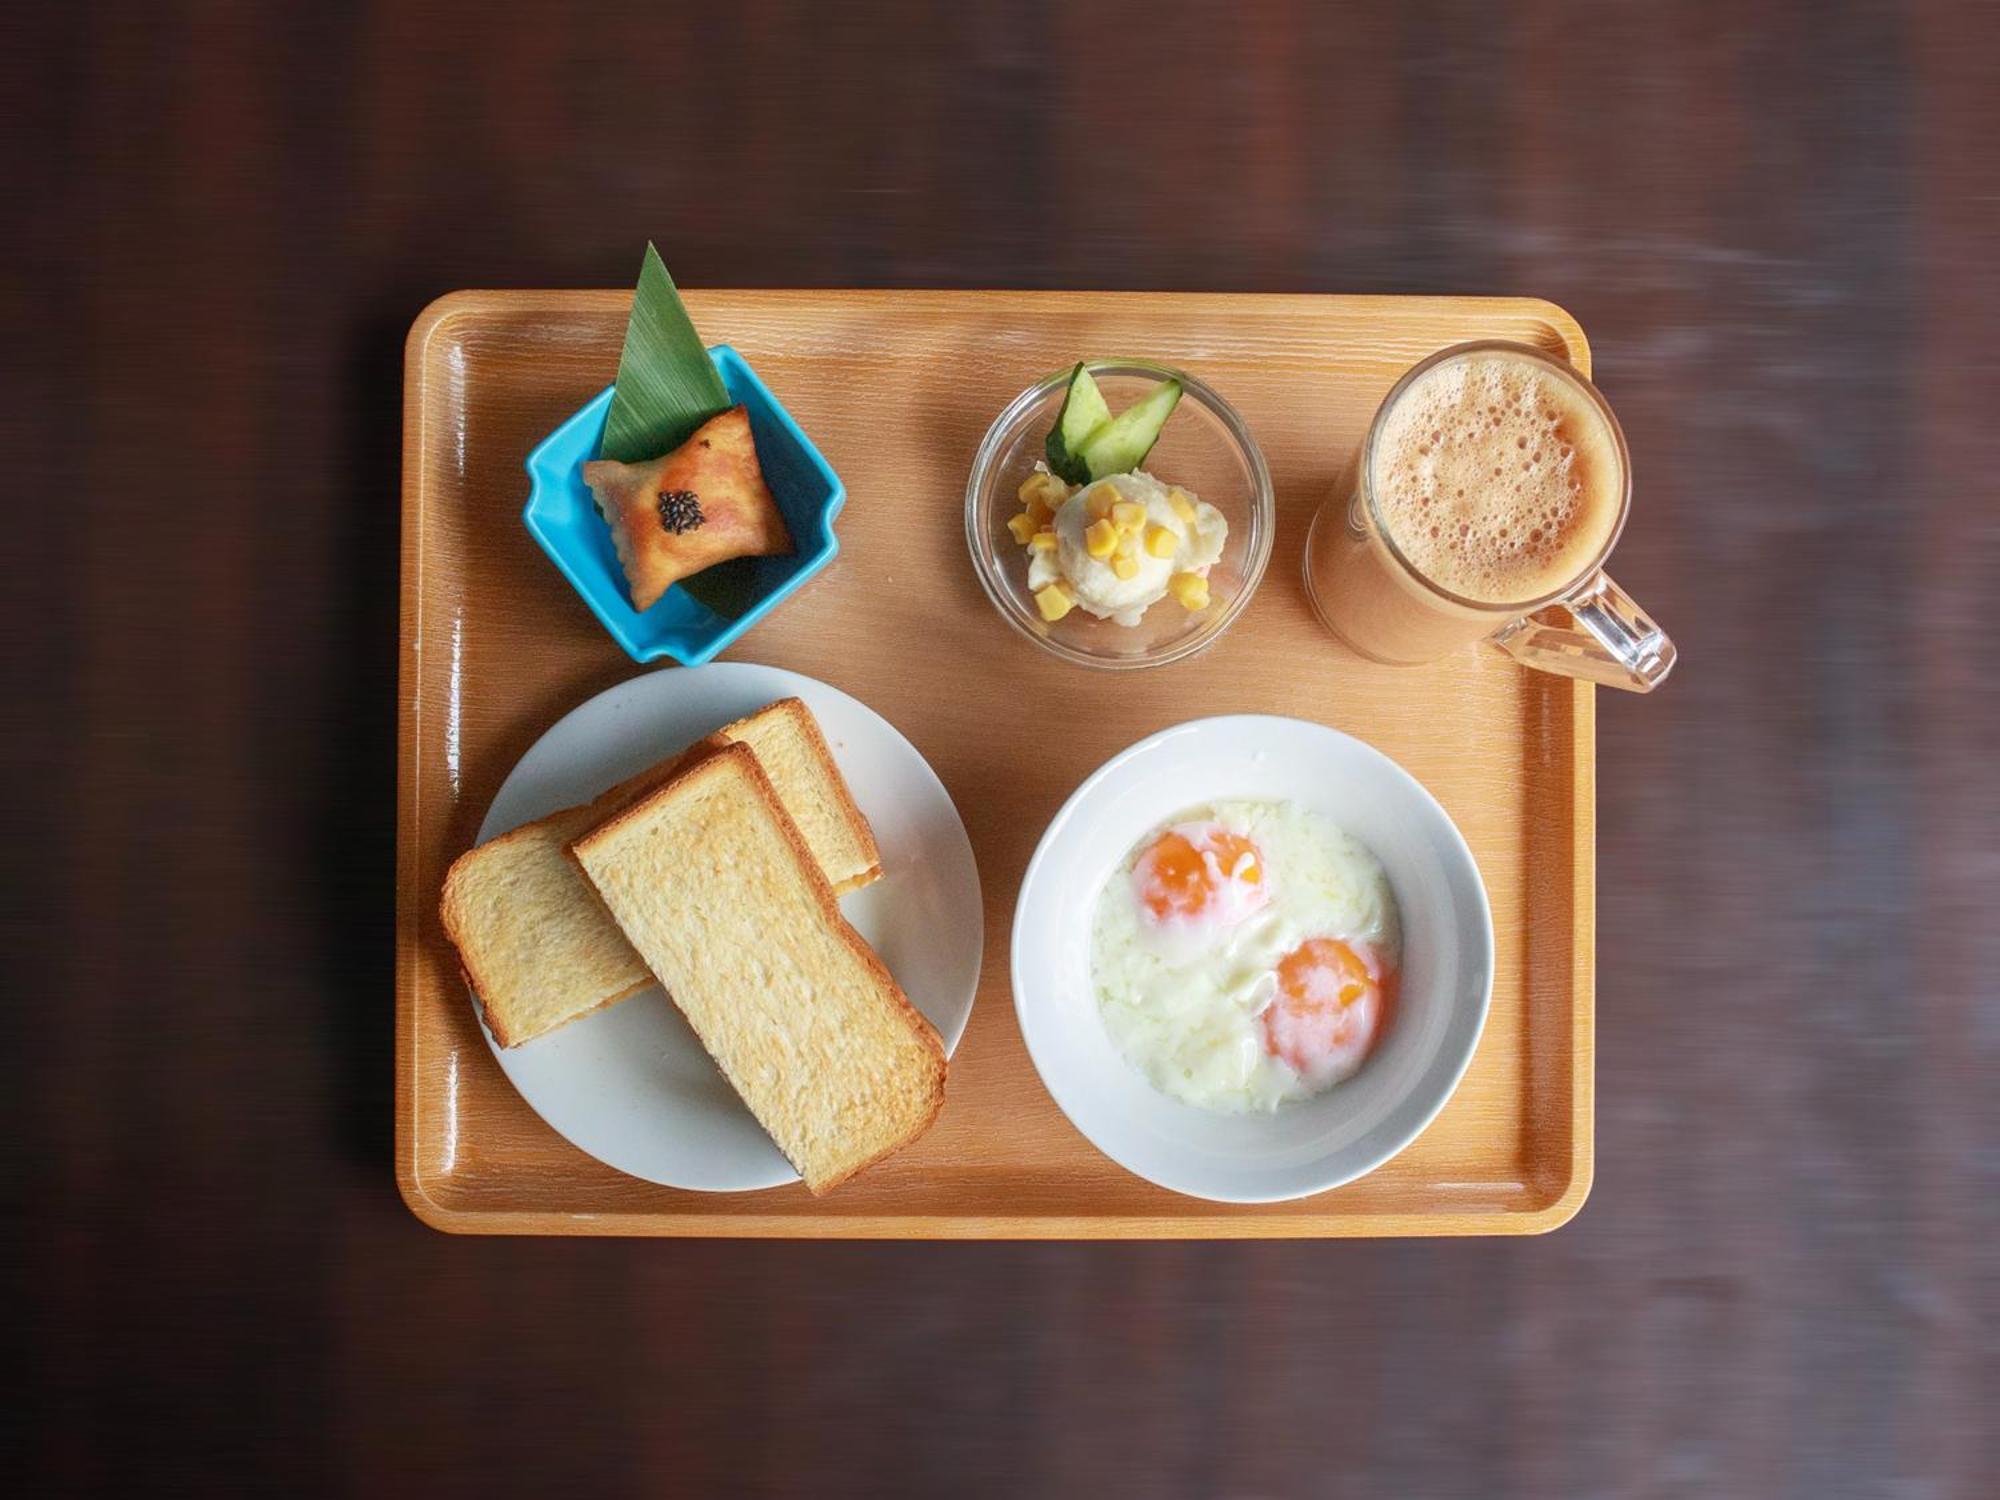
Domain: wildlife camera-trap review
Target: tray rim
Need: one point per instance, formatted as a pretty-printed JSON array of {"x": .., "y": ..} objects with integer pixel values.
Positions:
[{"x": 1545, "y": 1215}]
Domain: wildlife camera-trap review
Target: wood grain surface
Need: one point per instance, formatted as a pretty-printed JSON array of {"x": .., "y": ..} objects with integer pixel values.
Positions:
[
  {"x": 496, "y": 647},
  {"x": 1779, "y": 223}
]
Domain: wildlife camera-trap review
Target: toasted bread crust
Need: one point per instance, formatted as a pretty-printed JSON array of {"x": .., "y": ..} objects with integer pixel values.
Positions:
[
  {"x": 740, "y": 760},
  {"x": 639, "y": 783}
]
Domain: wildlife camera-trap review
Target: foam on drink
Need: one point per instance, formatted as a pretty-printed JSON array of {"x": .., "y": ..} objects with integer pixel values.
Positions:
[{"x": 1499, "y": 481}]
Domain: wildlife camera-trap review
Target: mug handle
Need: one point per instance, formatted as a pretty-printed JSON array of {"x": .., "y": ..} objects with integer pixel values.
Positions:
[{"x": 1610, "y": 640}]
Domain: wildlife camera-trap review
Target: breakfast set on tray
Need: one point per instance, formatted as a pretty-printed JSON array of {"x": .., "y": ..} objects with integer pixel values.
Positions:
[{"x": 723, "y": 927}]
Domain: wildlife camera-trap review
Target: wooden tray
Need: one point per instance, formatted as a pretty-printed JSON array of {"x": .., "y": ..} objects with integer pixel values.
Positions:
[{"x": 897, "y": 388}]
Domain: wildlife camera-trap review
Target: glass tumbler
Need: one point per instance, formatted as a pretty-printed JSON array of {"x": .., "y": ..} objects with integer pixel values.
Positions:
[{"x": 1367, "y": 590}]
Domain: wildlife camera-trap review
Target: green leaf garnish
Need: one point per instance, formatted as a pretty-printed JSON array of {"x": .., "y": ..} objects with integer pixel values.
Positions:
[{"x": 667, "y": 384}]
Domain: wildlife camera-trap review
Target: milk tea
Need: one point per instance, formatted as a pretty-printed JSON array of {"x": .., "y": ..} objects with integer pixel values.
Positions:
[{"x": 1496, "y": 480}]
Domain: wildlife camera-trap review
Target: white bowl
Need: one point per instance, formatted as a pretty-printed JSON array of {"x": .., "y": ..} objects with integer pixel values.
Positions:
[{"x": 1314, "y": 1144}]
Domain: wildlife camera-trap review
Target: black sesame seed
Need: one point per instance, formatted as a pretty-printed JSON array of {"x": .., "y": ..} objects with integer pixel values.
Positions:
[{"x": 680, "y": 511}]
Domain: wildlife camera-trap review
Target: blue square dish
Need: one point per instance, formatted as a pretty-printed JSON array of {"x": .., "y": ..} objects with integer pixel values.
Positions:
[{"x": 698, "y": 616}]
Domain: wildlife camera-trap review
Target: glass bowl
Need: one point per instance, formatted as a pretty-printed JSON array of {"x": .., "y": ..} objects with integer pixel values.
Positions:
[{"x": 1204, "y": 448}]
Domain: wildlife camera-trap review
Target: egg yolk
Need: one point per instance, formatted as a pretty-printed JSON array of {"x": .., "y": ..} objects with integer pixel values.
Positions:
[
  {"x": 1329, "y": 1006},
  {"x": 1178, "y": 881}
]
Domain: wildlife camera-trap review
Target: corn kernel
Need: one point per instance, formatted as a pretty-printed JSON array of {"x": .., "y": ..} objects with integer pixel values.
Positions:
[
  {"x": 1125, "y": 565},
  {"x": 1054, "y": 602},
  {"x": 1039, "y": 511},
  {"x": 1043, "y": 541},
  {"x": 1101, "y": 540},
  {"x": 1183, "y": 507},
  {"x": 1128, "y": 516},
  {"x": 1191, "y": 589},
  {"x": 1161, "y": 541},
  {"x": 1023, "y": 526},
  {"x": 1100, "y": 500},
  {"x": 1044, "y": 489}
]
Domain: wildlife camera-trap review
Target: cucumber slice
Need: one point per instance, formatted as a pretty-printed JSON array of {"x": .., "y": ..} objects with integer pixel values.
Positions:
[
  {"x": 1083, "y": 412},
  {"x": 1121, "y": 445}
]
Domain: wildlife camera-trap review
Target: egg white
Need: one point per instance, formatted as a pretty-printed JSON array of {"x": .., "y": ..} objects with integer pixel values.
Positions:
[{"x": 1182, "y": 1004}]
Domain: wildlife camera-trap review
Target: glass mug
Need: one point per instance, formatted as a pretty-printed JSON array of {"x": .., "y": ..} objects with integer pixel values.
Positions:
[{"x": 1390, "y": 607}]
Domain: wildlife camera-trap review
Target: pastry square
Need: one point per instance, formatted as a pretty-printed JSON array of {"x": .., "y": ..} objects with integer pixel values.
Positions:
[{"x": 702, "y": 504}]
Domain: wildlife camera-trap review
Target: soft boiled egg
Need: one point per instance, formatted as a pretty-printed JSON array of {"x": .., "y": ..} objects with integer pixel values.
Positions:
[
  {"x": 1328, "y": 1009},
  {"x": 1195, "y": 880},
  {"x": 1245, "y": 955}
]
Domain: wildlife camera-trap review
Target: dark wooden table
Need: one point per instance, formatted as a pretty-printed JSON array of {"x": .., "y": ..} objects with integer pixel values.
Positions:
[{"x": 1780, "y": 224}]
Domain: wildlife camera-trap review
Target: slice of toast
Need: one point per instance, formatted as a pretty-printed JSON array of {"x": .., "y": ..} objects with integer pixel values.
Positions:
[
  {"x": 538, "y": 947},
  {"x": 795, "y": 756},
  {"x": 711, "y": 881}
]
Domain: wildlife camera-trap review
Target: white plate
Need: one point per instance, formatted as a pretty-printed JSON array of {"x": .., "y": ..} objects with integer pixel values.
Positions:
[
  {"x": 1314, "y": 1144},
  {"x": 630, "y": 1085}
]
